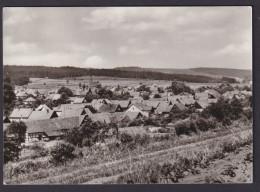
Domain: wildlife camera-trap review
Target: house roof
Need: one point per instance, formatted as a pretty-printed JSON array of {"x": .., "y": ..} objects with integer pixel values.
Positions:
[
  {"x": 179, "y": 106},
  {"x": 70, "y": 112},
  {"x": 21, "y": 112},
  {"x": 102, "y": 117},
  {"x": 132, "y": 115},
  {"x": 201, "y": 96},
  {"x": 30, "y": 99},
  {"x": 79, "y": 100},
  {"x": 142, "y": 107},
  {"x": 202, "y": 104},
  {"x": 122, "y": 103},
  {"x": 154, "y": 103},
  {"x": 70, "y": 106},
  {"x": 118, "y": 116},
  {"x": 214, "y": 93},
  {"x": 186, "y": 100},
  {"x": 164, "y": 107},
  {"x": 56, "y": 124},
  {"x": 43, "y": 107},
  {"x": 38, "y": 115},
  {"x": 110, "y": 108},
  {"x": 21, "y": 94}
]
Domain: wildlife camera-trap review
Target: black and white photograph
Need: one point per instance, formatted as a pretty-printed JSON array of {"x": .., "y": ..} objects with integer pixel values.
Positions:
[{"x": 127, "y": 95}]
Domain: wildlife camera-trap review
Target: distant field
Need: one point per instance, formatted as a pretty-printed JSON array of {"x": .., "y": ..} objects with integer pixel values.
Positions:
[{"x": 53, "y": 84}]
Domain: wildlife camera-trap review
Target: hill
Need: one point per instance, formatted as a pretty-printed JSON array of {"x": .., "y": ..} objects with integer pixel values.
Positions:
[{"x": 210, "y": 72}]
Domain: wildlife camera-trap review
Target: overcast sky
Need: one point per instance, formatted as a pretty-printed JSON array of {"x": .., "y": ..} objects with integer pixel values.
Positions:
[{"x": 154, "y": 37}]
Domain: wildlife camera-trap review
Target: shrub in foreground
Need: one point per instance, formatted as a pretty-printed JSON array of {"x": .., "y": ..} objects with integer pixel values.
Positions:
[{"x": 62, "y": 152}]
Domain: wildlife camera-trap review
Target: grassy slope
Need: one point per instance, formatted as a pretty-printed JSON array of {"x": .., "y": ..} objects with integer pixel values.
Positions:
[{"x": 91, "y": 167}]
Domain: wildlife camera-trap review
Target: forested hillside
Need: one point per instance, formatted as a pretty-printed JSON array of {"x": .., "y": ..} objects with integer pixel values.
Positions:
[{"x": 62, "y": 72}]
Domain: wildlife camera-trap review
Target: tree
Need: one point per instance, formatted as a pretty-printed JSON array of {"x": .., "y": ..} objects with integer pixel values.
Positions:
[
  {"x": 79, "y": 84},
  {"x": 9, "y": 97},
  {"x": 18, "y": 129},
  {"x": 179, "y": 87},
  {"x": 11, "y": 149},
  {"x": 145, "y": 96},
  {"x": 236, "y": 107},
  {"x": 65, "y": 90},
  {"x": 62, "y": 152},
  {"x": 157, "y": 96},
  {"x": 63, "y": 99}
]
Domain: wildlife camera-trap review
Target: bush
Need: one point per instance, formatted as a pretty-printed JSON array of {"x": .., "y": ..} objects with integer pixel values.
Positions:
[
  {"x": 39, "y": 151},
  {"x": 205, "y": 124},
  {"x": 61, "y": 153},
  {"x": 248, "y": 113},
  {"x": 142, "y": 139},
  {"x": 65, "y": 90},
  {"x": 135, "y": 122},
  {"x": 151, "y": 121},
  {"x": 182, "y": 128}
]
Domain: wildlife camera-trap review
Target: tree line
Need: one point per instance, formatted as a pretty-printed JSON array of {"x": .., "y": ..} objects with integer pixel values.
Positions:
[{"x": 25, "y": 72}]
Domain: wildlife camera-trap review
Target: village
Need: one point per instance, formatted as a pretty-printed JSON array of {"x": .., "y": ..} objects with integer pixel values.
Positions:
[{"x": 45, "y": 122}]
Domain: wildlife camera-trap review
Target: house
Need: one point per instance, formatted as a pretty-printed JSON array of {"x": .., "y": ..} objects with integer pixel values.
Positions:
[
  {"x": 20, "y": 114},
  {"x": 78, "y": 100},
  {"x": 133, "y": 115},
  {"x": 51, "y": 128},
  {"x": 43, "y": 107},
  {"x": 153, "y": 103},
  {"x": 30, "y": 100},
  {"x": 110, "y": 108},
  {"x": 67, "y": 110},
  {"x": 96, "y": 103},
  {"x": 213, "y": 94},
  {"x": 143, "y": 109},
  {"x": 188, "y": 102},
  {"x": 124, "y": 104},
  {"x": 134, "y": 94},
  {"x": 21, "y": 95},
  {"x": 164, "y": 108},
  {"x": 54, "y": 97},
  {"x": 177, "y": 107},
  {"x": 201, "y": 96},
  {"x": 102, "y": 117},
  {"x": 39, "y": 115},
  {"x": 201, "y": 104}
]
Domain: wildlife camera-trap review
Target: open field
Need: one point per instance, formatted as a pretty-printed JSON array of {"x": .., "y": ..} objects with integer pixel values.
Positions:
[
  {"x": 54, "y": 84},
  {"x": 110, "y": 164}
]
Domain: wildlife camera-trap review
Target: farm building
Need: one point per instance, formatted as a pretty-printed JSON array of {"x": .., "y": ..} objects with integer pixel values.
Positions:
[
  {"x": 110, "y": 108},
  {"x": 79, "y": 100},
  {"x": 178, "y": 107},
  {"x": 213, "y": 94},
  {"x": 143, "y": 109},
  {"x": 201, "y": 96},
  {"x": 20, "y": 114},
  {"x": 39, "y": 115},
  {"x": 133, "y": 115},
  {"x": 123, "y": 103},
  {"x": 200, "y": 105},
  {"x": 21, "y": 95},
  {"x": 102, "y": 117},
  {"x": 51, "y": 128},
  {"x": 188, "y": 102},
  {"x": 30, "y": 100},
  {"x": 43, "y": 107}
]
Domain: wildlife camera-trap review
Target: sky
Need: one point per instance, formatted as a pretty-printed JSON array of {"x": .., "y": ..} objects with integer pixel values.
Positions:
[{"x": 108, "y": 37}]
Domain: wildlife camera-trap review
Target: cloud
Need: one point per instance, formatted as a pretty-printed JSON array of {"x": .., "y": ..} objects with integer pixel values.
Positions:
[
  {"x": 18, "y": 16},
  {"x": 122, "y": 50},
  {"x": 94, "y": 61},
  {"x": 234, "y": 49}
]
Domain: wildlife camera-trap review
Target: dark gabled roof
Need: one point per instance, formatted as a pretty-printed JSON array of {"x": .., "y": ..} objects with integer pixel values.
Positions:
[
  {"x": 110, "y": 108},
  {"x": 39, "y": 115},
  {"x": 55, "y": 124},
  {"x": 22, "y": 112}
]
